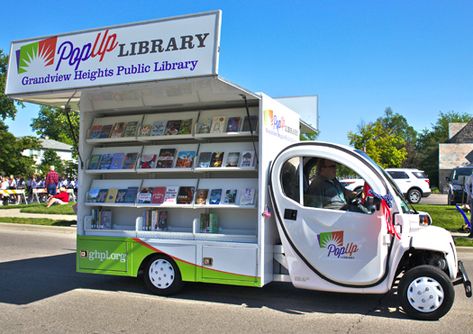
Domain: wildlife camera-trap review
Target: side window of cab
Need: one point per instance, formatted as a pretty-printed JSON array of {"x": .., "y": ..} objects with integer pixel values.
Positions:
[{"x": 334, "y": 186}]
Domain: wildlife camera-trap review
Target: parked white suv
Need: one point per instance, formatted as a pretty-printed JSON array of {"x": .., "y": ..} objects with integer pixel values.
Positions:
[{"x": 413, "y": 183}]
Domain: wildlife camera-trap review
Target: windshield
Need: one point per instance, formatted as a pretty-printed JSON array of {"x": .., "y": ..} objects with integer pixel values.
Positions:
[
  {"x": 459, "y": 172},
  {"x": 404, "y": 205}
]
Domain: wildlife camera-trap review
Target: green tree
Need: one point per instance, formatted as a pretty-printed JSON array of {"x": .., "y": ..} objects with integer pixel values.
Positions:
[
  {"x": 11, "y": 159},
  {"x": 309, "y": 135},
  {"x": 386, "y": 140},
  {"x": 428, "y": 142},
  {"x": 50, "y": 158},
  {"x": 53, "y": 123},
  {"x": 7, "y": 105}
]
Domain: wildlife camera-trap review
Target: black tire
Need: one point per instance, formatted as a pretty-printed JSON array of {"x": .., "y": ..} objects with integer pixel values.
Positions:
[
  {"x": 162, "y": 276},
  {"x": 450, "y": 199},
  {"x": 414, "y": 195},
  {"x": 426, "y": 293}
]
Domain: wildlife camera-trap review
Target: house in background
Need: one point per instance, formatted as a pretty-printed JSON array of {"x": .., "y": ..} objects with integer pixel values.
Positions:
[
  {"x": 64, "y": 151},
  {"x": 456, "y": 151}
]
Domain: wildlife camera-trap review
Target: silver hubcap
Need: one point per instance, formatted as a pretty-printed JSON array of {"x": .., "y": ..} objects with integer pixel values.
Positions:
[
  {"x": 414, "y": 196},
  {"x": 161, "y": 273},
  {"x": 425, "y": 294}
]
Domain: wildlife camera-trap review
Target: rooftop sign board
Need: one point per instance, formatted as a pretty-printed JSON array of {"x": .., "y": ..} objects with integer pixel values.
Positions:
[{"x": 185, "y": 46}]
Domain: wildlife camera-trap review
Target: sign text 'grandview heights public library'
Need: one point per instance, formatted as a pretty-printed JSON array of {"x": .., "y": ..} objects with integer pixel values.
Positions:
[{"x": 173, "y": 48}]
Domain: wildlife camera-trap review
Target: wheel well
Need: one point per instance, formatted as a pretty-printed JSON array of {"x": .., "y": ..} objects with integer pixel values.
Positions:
[
  {"x": 143, "y": 263},
  {"x": 417, "y": 188},
  {"x": 416, "y": 257}
]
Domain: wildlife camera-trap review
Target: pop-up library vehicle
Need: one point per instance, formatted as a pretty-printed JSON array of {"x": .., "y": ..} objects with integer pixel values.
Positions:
[
  {"x": 185, "y": 176},
  {"x": 174, "y": 159}
]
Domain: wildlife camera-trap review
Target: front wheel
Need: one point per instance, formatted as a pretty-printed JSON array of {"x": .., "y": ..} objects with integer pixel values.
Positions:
[
  {"x": 162, "y": 275},
  {"x": 414, "y": 196},
  {"x": 426, "y": 293}
]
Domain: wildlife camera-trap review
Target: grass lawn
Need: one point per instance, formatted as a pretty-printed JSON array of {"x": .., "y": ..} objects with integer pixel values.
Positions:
[
  {"x": 37, "y": 221},
  {"x": 445, "y": 216},
  {"x": 53, "y": 210}
]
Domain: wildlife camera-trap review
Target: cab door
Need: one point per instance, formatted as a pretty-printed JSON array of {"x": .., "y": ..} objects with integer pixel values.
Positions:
[{"x": 340, "y": 247}]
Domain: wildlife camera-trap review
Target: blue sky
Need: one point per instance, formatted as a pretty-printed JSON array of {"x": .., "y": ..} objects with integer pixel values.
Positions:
[{"x": 359, "y": 57}]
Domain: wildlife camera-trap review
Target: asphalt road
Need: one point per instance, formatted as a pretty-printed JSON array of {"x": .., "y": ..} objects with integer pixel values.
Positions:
[{"x": 40, "y": 292}]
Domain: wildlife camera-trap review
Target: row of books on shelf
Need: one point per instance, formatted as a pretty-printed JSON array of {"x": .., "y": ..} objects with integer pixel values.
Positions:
[
  {"x": 171, "y": 195},
  {"x": 217, "y": 124},
  {"x": 153, "y": 220},
  {"x": 169, "y": 158}
]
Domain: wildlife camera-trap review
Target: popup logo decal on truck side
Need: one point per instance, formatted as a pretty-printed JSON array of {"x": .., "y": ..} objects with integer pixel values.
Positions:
[{"x": 333, "y": 242}]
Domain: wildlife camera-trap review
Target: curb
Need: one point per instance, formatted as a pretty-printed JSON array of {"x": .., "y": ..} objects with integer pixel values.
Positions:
[{"x": 36, "y": 228}]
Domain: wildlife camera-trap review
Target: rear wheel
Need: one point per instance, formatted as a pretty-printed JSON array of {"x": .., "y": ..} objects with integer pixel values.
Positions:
[
  {"x": 426, "y": 293},
  {"x": 162, "y": 275},
  {"x": 414, "y": 195}
]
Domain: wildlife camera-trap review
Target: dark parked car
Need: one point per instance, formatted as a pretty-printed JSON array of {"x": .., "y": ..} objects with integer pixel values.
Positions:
[{"x": 456, "y": 184}]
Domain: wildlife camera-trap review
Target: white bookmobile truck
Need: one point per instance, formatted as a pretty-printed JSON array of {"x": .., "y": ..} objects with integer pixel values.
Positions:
[{"x": 185, "y": 177}]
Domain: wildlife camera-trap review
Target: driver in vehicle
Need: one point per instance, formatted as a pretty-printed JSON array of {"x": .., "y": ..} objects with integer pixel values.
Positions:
[{"x": 325, "y": 191}]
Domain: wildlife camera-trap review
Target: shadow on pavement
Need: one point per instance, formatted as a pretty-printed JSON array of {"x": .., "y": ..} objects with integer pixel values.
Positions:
[{"x": 31, "y": 280}]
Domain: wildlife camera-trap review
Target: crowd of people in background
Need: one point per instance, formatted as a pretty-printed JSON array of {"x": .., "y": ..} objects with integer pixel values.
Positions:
[{"x": 49, "y": 182}]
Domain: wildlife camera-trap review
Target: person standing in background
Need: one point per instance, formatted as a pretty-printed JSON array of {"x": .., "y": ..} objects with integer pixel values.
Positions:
[{"x": 52, "y": 180}]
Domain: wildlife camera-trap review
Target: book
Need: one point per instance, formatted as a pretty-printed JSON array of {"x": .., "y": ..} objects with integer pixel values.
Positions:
[
  {"x": 201, "y": 196},
  {"x": 166, "y": 158},
  {"x": 95, "y": 131},
  {"x": 253, "y": 121},
  {"x": 215, "y": 196},
  {"x": 158, "y": 128},
  {"x": 230, "y": 196},
  {"x": 148, "y": 161},
  {"x": 150, "y": 219},
  {"x": 186, "y": 127},
  {"x": 130, "y": 195},
  {"x": 95, "y": 218},
  {"x": 233, "y": 124},
  {"x": 185, "y": 159},
  {"x": 117, "y": 160},
  {"x": 204, "y": 222},
  {"x": 105, "y": 132},
  {"x": 247, "y": 159},
  {"x": 185, "y": 195},
  {"x": 105, "y": 161},
  {"x": 130, "y": 160},
  {"x": 130, "y": 129},
  {"x": 102, "y": 196},
  {"x": 204, "y": 126},
  {"x": 111, "y": 195},
  {"x": 213, "y": 222},
  {"x": 92, "y": 195},
  {"x": 172, "y": 128},
  {"x": 157, "y": 196},
  {"x": 204, "y": 159},
  {"x": 144, "y": 196},
  {"x": 218, "y": 124},
  {"x": 217, "y": 159},
  {"x": 105, "y": 220},
  {"x": 117, "y": 130},
  {"x": 121, "y": 196},
  {"x": 162, "y": 220},
  {"x": 94, "y": 161},
  {"x": 145, "y": 130},
  {"x": 233, "y": 158},
  {"x": 248, "y": 196},
  {"x": 170, "y": 196}
]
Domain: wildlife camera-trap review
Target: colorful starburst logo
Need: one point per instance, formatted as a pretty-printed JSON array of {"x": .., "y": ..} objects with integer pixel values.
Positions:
[
  {"x": 326, "y": 238},
  {"x": 36, "y": 55}
]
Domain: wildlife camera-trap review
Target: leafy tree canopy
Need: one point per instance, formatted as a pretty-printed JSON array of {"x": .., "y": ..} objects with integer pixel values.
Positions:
[
  {"x": 12, "y": 162},
  {"x": 385, "y": 140},
  {"x": 7, "y": 105}
]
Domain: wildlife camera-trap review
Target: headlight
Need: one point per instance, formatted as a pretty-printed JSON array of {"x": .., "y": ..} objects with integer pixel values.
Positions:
[{"x": 424, "y": 219}]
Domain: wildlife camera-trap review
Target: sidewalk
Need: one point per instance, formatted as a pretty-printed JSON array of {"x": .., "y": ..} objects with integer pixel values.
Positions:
[{"x": 17, "y": 213}]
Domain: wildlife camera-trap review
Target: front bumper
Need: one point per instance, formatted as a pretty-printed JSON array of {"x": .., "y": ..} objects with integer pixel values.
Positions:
[{"x": 462, "y": 277}]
